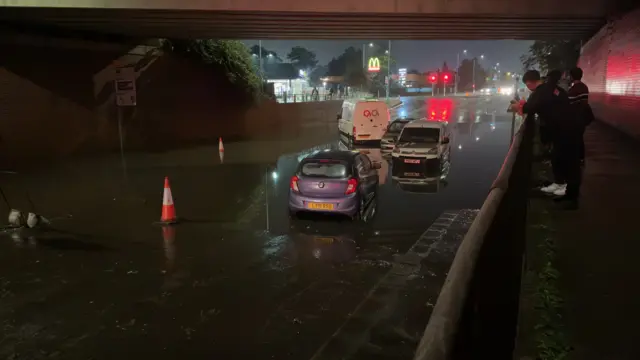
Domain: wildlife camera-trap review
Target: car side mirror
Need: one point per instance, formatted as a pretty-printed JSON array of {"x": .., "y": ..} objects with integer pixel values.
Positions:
[
  {"x": 445, "y": 140},
  {"x": 376, "y": 165}
]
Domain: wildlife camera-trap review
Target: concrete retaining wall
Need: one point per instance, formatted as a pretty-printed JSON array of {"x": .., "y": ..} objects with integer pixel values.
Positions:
[
  {"x": 610, "y": 61},
  {"x": 55, "y": 101}
]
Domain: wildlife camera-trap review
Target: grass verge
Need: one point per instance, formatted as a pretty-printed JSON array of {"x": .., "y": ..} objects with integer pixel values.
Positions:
[
  {"x": 541, "y": 333},
  {"x": 550, "y": 339}
]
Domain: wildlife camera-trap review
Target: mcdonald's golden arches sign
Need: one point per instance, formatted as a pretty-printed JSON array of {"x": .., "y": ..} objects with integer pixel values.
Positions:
[{"x": 374, "y": 64}]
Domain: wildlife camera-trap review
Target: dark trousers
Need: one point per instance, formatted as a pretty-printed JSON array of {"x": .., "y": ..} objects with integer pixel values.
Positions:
[
  {"x": 557, "y": 166},
  {"x": 566, "y": 165},
  {"x": 582, "y": 143}
]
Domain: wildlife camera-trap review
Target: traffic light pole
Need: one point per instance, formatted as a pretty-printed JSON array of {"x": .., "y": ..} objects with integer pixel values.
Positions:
[
  {"x": 473, "y": 77},
  {"x": 389, "y": 70},
  {"x": 457, "y": 70}
]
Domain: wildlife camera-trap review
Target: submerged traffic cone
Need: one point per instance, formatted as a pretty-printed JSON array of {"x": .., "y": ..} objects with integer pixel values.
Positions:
[
  {"x": 168, "y": 210},
  {"x": 168, "y": 238},
  {"x": 220, "y": 146}
]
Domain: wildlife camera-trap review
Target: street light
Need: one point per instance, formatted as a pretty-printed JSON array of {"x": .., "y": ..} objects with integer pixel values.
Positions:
[{"x": 364, "y": 53}]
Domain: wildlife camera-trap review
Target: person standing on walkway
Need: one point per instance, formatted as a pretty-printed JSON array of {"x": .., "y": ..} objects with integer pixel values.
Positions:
[
  {"x": 552, "y": 103},
  {"x": 579, "y": 99},
  {"x": 545, "y": 104}
]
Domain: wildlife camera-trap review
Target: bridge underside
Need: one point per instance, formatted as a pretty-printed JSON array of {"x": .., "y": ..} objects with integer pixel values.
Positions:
[{"x": 297, "y": 25}]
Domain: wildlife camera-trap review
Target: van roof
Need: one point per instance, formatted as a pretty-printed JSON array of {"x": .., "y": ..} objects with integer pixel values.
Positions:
[
  {"x": 425, "y": 124},
  {"x": 363, "y": 101}
]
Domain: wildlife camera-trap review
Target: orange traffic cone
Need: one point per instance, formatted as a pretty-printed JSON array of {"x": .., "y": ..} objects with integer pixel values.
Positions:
[
  {"x": 168, "y": 210},
  {"x": 220, "y": 146}
]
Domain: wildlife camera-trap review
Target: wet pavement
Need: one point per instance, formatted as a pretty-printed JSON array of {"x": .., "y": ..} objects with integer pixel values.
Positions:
[{"x": 237, "y": 278}]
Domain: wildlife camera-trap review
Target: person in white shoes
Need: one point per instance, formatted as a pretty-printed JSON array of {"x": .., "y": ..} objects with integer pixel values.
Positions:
[
  {"x": 555, "y": 189},
  {"x": 552, "y": 102}
]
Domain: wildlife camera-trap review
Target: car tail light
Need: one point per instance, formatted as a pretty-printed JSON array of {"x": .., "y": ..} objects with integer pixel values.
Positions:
[
  {"x": 294, "y": 183},
  {"x": 352, "y": 185},
  {"x": 354, "y": 131}
]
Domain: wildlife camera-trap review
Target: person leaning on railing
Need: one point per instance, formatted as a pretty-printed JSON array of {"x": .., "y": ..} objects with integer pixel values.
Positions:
[{"x": 552, "y": 104}]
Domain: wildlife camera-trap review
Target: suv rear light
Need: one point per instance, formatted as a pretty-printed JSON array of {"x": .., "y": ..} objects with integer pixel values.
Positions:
[
  {"x": 352, "y": 185},
  {"x": 294, "y": 183},
  {"x": 354, "y": 131}
]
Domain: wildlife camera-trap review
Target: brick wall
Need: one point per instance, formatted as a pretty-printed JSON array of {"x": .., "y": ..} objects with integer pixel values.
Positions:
[{"x": 611, "y": 64}]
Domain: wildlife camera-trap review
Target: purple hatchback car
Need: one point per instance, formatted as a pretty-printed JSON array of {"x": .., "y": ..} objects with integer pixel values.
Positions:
[{"x": 342, "y": 182}]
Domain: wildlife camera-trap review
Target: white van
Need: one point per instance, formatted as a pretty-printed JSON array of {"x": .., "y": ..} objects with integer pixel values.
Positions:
[
  {"x": 363, "y": 120},
  {"x": 422, "y": 140}
]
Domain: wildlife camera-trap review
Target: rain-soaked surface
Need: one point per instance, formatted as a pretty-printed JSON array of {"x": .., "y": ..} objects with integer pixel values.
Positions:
[{"x": 237, "y": 278}]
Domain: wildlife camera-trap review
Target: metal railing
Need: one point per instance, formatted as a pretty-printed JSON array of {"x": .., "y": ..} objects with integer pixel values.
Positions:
[
  {"x": 476, "y": 314},
  {"x": 294, "y": 98}
]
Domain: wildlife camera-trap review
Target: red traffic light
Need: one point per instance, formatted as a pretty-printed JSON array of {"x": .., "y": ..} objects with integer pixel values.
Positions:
[
  {"x": 446, "y": 77},
  {"x": 432, "y": 78}
]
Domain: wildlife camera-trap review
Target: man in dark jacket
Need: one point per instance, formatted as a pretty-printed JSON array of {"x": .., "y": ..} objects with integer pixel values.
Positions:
[
  {"x": 579, "y": 100},
  {"x": 551, "y": 103}
]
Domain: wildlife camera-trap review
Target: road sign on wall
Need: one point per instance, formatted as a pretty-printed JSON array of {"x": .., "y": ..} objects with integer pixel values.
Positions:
[{"x": 125, "y": 86}]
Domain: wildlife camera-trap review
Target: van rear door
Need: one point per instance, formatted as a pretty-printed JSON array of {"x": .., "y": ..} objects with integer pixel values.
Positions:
[{"x": 371, "y": 119}]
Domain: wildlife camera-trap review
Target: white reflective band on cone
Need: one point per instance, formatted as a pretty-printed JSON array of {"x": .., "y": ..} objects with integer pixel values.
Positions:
[{"x": 167, "y": 199}]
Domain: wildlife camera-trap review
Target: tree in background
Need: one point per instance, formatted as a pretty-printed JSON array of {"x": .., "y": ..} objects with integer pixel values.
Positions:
[
  {"x": 551, "y": 55},
  {"x": 445, "y": 67},
  {"x": 231, "y": 56},
  {"x": 466, "y": 72},
  {"x": 267, "y": 55},
  {"x": 349, "y": 65},
  {"x": 316, "y": 75},
  {"x": 302, "y": 58}
]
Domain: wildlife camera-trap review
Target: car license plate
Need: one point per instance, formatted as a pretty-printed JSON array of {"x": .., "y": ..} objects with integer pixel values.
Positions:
[
  {"x": 412, "y": 161},
  {"x": 363, "y": 136},
  {"x": 327, "y": 240},
  {"x": 320, "y": 206},
  {"x": 411, "y": 174}
]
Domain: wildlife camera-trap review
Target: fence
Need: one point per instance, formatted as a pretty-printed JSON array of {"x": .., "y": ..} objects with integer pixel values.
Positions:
[
  {"x": 293, "y": 98},
  {"x": 476, "y": 314}
]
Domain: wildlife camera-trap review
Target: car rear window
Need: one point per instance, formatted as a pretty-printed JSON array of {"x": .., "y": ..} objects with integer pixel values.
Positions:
[
  {"x": 326, "y": 168},
  {"x": 397, "y": 126},
  {"x": 423, "y": 135}
]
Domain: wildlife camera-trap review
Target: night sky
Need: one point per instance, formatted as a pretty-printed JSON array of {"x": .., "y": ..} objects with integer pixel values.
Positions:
[{"x": 413, "y": 54}]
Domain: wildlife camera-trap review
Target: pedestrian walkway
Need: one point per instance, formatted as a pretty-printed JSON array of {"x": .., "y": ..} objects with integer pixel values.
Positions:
[{"x": 597, "y": 252}]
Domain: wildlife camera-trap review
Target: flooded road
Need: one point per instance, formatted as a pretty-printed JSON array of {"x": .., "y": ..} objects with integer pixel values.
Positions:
[{"x": 237, "y": 278}]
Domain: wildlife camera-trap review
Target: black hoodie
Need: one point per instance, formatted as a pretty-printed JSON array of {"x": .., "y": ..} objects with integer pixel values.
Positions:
[{"x": 551, "y": 103}]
